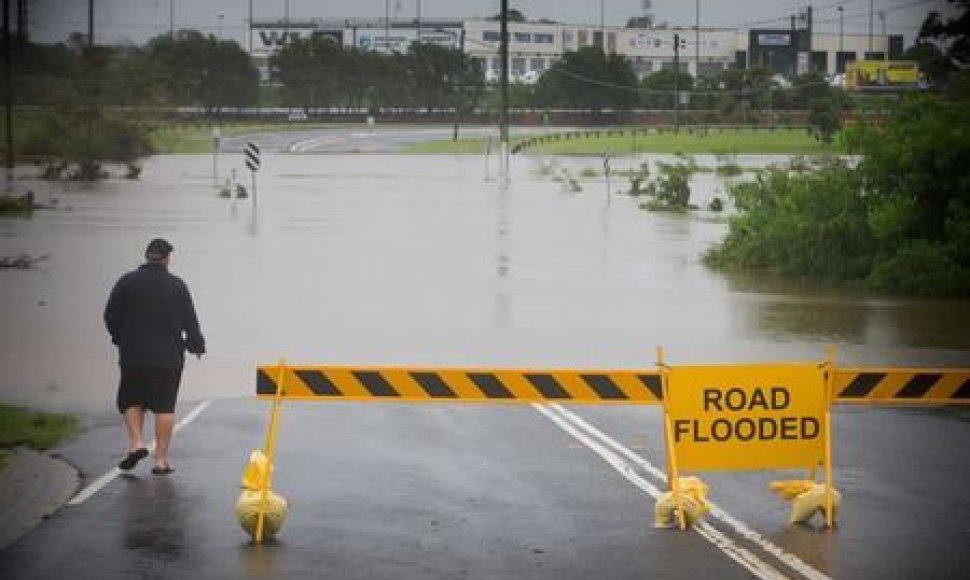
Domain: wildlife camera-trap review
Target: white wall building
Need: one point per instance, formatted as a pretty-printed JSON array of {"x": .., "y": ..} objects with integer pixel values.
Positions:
[{"x": 535, "y": 46}]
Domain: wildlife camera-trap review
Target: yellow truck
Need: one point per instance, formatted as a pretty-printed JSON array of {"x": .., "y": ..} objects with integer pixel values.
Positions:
[{"x": 883, "y": 75}]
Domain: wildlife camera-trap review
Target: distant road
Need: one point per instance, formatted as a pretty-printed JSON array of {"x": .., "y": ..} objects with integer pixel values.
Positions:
[{"x": 359, "y": 139}]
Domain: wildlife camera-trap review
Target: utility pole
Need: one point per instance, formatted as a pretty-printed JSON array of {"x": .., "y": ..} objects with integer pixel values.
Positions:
[
  {"x": 603, "y": 25},
  {"x": 676, "y": 83},
  {"x": 882, "y": 18},
  {"x": 8, "y": 90},
  {"x": 697, "y": 39},
  {"x": 419, "y": 20},
  {"x": 90, "y": 23},
  {"x": 22, "y": 35},
  {"x": 387, "y": 26},
  {"x": 504, "y": 117},
  {"x": 171, "y": 19},
  {"x": 249, "y": 38}
]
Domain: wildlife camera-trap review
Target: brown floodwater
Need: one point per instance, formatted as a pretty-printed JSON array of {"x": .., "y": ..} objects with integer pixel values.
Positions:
[{"x": 396, "y": 259}]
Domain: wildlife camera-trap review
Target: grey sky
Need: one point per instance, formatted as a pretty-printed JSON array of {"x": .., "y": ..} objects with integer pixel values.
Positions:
[{"x": 139, "y": 20}]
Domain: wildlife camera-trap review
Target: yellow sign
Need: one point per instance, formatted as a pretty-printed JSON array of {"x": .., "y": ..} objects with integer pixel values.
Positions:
[{"x": 746, "y": 417}]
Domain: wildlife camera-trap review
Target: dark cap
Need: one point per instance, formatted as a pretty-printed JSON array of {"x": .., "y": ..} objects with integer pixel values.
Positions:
[{"x": 158, "y": 248}]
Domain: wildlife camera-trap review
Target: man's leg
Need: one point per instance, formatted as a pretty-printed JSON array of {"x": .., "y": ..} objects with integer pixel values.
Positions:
[
  {"x": 134, "y": 420},
  {"x": 164, "y": 424}
]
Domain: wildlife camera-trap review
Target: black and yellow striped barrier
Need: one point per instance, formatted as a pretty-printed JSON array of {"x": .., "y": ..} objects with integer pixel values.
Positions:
[
  {"x": 333, "y": 383},
  {"x": 901, "y": 386},
  {"x": 859, "y": 386}
]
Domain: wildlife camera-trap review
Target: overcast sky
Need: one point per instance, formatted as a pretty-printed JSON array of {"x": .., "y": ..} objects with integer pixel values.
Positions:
[{"x": 138, "y": 20}]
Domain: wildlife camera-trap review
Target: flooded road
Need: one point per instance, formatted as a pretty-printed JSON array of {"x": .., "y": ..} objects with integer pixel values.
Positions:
[{"x": 395, "y": 259}]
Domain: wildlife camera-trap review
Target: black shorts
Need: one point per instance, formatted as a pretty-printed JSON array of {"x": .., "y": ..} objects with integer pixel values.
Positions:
[{"x": 151, "y": 388}]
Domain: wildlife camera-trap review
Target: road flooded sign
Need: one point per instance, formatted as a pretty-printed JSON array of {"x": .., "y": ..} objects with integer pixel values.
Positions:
[{"x": 746, "y": 417}]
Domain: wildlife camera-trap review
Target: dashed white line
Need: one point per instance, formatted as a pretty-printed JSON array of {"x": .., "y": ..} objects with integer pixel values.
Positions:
[
  {"x": 98, "y": 484},
  {"x": 614, "y": 453}
]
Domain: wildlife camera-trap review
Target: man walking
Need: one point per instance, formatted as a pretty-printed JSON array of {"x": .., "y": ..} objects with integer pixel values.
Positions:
[{"x": 152, "y": 320}]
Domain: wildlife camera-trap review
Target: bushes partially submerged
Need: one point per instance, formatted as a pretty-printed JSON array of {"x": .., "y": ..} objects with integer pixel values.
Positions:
[{"x": 898, "y": 222}]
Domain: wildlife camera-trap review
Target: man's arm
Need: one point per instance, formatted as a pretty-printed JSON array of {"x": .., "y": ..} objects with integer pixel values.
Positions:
[
  {"x": 194, "y": 341},
  {"x": 114, "y": 311}
]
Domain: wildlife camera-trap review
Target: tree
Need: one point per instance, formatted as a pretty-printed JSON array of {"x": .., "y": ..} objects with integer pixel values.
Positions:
[
  {"x": 203, "y": 70},
  {"x": 309, "y": 70},
  {"x": 824, "y": 102},
  {"x": 588, "y": 79},
  {"x": 950, "y": 37},
  {"x": 658, "y": 88}
]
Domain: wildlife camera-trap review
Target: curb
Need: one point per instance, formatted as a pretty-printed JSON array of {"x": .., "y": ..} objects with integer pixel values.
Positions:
[{"x": 32, "y": 487}]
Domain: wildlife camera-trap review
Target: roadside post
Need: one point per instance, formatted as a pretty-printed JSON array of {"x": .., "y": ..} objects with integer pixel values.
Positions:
[
  {"x": 216, "y": 140},
  {"x": 253, "y": 163},
  {"x": 606, "y": 172}
]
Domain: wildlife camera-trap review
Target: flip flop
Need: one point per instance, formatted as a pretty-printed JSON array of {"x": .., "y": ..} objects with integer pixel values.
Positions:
[
  {"x": 132, "y": 459},
  {"x": 162, "y": 470}
]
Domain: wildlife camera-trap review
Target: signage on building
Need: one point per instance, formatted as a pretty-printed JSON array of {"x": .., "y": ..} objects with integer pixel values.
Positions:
[
  {"x": 267, "y": 41},
  {"x": 398, "y": 40},
  {"x": 774, "y": 39}
]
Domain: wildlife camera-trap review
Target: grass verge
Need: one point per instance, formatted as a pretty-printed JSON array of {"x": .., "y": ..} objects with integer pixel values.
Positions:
[{"x": 40, "y": 431}]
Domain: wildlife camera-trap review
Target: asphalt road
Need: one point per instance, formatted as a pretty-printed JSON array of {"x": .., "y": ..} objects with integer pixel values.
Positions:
[{"x": 480, "y": 491}]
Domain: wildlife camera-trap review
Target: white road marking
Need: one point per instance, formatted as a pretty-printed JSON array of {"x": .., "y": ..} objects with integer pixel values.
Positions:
[
  {"x": 613, "y": 453},
  {"x": 98, "y": 484}
]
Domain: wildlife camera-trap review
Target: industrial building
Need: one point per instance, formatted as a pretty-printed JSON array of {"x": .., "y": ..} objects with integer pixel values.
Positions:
[{"x": 536, "y": 46}]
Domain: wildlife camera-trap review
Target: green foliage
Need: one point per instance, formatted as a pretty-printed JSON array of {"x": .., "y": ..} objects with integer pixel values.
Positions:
[
  {"x": 588, "y": 79},
  {"x": 197, "y": 70},
  {"x": 18, "y": 426},
  {"x": 899, "y": 221},
  {"x": 316, "y": 72},
  {"x": 799, "y": 224}
]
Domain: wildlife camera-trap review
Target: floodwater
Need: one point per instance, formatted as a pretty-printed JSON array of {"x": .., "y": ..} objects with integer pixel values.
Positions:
[{"x": 395, "y": 259}]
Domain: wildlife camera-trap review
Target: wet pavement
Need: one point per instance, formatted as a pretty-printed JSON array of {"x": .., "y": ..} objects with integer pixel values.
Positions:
[
  {"x": 395, "y": 259},
  {"x": 477, "y": 491}
]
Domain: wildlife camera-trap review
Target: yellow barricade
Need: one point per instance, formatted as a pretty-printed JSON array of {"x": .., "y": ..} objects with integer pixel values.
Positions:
[
  {"x": 412, "y": 385},
  {"x": 850, "y": 385},
  {"x": 901, "y": 386}
]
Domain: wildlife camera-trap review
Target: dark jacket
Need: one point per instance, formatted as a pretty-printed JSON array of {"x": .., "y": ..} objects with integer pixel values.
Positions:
[{"x": 151, "y": 318}]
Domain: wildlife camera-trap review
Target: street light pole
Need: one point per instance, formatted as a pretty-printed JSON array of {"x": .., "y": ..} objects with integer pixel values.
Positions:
[
  {"x": 841, "y": 14},
  {"x": 870, "y": 25}
]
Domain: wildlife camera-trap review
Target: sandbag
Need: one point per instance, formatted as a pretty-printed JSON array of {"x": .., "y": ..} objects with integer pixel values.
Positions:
[
  {"x": 256, "y": 471},
  {"x": 247, "y": 512},
  {"x": 807, "y": 497},
  {"x": 693, "y": 498}
]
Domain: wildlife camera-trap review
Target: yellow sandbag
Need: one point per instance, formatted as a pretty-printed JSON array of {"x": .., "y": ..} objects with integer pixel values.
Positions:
[
  {"x": 693, "y": 497},
  {"x": 807, "y": 498},
  {"x": 807, "y": 504},
  {"x": 791, "y": 489},
  {"x": 256, "y": 471},
  {"x": 247, "y": 511}
]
